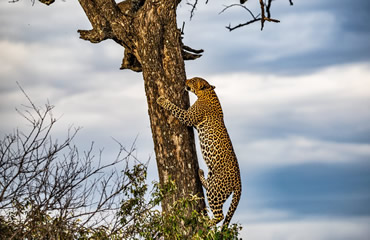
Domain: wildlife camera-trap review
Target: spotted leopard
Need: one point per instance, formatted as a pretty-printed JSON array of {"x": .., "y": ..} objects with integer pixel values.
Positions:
[{"x": 223, "y": 170}]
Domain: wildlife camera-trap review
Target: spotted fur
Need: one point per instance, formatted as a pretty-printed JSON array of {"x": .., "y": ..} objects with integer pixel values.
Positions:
[{"x": 223, "y": 169}]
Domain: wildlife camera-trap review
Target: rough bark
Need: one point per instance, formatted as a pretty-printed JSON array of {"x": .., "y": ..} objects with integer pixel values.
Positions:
[{"x": 147, "y": 29}]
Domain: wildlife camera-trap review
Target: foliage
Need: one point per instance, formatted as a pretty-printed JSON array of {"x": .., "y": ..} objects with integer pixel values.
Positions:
[{"x": 180, "y": 222}]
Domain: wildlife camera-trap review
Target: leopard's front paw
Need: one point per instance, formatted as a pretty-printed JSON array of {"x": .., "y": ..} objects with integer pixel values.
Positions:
[{"x": 161, "y": 100}]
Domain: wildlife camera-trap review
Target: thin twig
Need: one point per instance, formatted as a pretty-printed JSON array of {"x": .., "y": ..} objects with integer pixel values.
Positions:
[
  {"x": 193, "y": 8},
  {"x": 262, "y": 14},
  {"x": 242, "y": 24},
  {"x": 268, "y": 6},
  {"x": 238, "y": 5}
]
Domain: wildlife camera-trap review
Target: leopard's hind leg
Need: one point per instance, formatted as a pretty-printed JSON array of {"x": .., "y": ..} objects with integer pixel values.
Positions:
[{"x": 216, "y": 198}]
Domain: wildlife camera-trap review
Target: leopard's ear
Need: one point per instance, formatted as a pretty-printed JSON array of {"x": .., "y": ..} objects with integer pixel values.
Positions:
[{"x": 207, "y": 87}]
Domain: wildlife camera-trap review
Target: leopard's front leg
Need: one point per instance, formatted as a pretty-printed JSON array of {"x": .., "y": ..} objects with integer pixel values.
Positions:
[{"x": 185, "y": 116}]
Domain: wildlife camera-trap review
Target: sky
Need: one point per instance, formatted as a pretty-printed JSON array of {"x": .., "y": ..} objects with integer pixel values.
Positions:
[{"x": 296, "y": 101}]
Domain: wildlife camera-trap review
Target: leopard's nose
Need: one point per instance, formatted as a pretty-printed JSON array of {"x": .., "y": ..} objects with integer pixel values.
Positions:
[{"x": 187, "y": 88}]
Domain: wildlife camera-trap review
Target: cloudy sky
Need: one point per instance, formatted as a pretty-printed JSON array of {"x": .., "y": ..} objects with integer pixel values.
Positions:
[{"x": 296, "y": 99}]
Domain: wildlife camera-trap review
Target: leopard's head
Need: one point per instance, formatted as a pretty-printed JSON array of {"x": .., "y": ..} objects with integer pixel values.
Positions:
[{"x": 198, "y": 86}]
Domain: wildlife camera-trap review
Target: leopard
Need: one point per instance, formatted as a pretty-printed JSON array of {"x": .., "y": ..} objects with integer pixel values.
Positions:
[{"x": 206, "y": 116}]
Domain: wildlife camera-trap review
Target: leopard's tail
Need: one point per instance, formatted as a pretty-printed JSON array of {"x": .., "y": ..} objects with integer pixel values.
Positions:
[{"x": 234, "y": 203}]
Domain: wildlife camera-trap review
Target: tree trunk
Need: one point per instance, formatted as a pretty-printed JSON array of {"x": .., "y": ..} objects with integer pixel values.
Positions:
[{"x": 148, "y": 31}]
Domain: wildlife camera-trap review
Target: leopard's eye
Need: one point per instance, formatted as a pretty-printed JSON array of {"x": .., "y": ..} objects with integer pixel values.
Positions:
[{"x": 203, "y": 87}]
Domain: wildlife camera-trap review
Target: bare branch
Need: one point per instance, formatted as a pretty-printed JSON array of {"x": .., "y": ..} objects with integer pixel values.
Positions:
[
  {"x": 193, "y": 8},
  {"x": 242, "y": 24},
  {"x": 262, "y": 14},
  {"x": 268, "y": 6},
  {"x": 265, "y": 14},
  {"x": 238, "y": 5}
]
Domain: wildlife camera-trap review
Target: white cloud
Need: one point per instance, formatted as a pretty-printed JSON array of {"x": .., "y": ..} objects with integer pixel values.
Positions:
[
  {"x": 12, "y": 56},
  {"x": 37, "y": 62},
  {"x": 255, "y": 216},
  {"x": 309, "y": 229},
  {"x": 342, "y": 81},
  {"x": 270, "y": 224},
  {"x": 270, "y": 153}
]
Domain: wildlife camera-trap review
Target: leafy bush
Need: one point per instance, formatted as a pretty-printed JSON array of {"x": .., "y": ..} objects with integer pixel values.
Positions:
[{"x": 180, "y": 222}]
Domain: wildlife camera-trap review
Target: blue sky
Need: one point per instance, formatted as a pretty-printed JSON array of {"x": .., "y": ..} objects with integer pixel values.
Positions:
[{"x": 296, "y": 100}]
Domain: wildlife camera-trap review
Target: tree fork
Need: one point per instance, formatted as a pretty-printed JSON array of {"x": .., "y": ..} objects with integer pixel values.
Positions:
[{"x": 153, "y": 45}]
